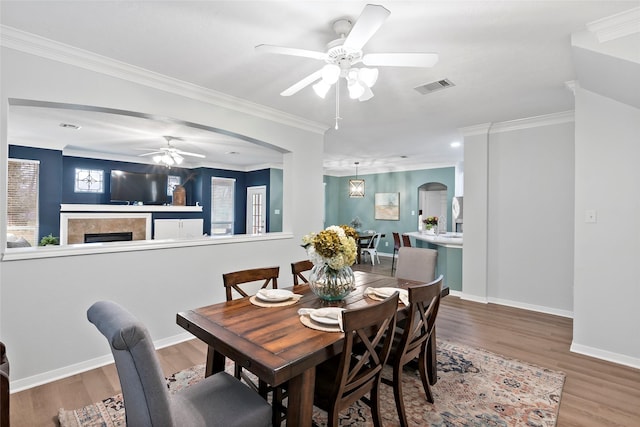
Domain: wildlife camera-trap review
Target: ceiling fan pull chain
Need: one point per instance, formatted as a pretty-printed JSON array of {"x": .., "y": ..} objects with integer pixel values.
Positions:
[{"x": 337, "y": 104}]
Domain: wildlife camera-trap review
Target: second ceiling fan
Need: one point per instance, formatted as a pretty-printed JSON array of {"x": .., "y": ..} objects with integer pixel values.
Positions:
[{"x": 346, "y": 51}]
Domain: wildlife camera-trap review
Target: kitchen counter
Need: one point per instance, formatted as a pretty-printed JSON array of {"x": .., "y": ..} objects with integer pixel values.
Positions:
[
  {"x": 448, "y": 240},
  {"x": 449, "y": 263}
]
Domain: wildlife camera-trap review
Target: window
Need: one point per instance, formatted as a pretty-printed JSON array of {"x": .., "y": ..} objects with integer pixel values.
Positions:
[
  {"x": 22, "y": 199},
  {"x": 89, "y": 181},
  {"x": 222, "y": 206},
  {"x": 172, "y": 182}
]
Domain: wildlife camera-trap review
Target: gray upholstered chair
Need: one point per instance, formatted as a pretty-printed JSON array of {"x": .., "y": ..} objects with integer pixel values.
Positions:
[
  {"x": 4, "y": 387},
  {"x": 218, "y": 400},
  {"x": 416, "y": 264}
]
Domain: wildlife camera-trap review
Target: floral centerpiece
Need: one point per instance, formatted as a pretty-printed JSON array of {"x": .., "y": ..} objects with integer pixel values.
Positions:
[
  {"x": 332, "y": 252},
  {"x": 430, "y": 224}
]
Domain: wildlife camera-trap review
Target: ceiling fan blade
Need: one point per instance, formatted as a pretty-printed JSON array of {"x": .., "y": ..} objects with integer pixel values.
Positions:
[
  {"x": 401, "y": 59},
  {"x": 267, "y": 48},
  {"x": 150, "y": 154},
  {"x": 186, "y": 153},
  {"x": 369, "y": 21},
  {"x": 302, "y": 83}
]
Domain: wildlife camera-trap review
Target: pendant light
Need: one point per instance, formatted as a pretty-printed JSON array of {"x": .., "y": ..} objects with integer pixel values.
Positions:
[{"x": 356, "y": 186}]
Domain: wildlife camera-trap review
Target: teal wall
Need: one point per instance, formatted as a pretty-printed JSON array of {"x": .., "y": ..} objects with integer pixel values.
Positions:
[
  {"x": 275, "y": 200},
  {"x": 341, "y": 209}
]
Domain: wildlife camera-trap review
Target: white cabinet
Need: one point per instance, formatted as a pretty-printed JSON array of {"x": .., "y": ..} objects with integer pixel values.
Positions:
[{"x": 177, "y": 228}]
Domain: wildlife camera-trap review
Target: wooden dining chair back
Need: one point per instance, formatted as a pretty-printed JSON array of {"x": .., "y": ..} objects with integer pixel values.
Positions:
[
  {"x": 396, "y": 246},
  {"x": 297, "y": 268},
  {"x": 357, "y": 370},
  {"x": 232, "y": 281},
  {"x": 406, "y": 241},
  {"x": 417, "y": 264},
  {"x": 218, "y": 400},
  {"x": 415, "y": 341},
  {"x": 4, "y": 387}
]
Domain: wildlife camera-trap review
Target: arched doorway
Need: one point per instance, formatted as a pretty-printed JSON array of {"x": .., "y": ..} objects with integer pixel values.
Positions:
[{"x": 432, "y": 201}]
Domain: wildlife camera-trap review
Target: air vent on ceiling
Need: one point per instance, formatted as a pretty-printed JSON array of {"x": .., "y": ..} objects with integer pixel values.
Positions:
[{"x": 434, "y": 86}]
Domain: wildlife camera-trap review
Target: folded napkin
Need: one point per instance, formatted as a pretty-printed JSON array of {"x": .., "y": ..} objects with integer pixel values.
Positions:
[
  {"x": 276, "y": 295},
  {"x": 328, "y": 313},
  {"x": 387, "y": 292}
]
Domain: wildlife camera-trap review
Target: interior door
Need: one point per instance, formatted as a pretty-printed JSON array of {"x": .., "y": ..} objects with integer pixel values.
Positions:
[{"x": 256, "y": 209}]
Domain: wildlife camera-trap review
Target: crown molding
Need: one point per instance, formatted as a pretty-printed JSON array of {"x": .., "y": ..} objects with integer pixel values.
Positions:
[
  {"x": 35, "y": 45},
  {"x": 526, "y": 123},
  {"x": 616, "y": 26},
  {"x": 534, "y": 122},
  {"x": 480, "y": 129},
  {"x": 571, "y": 85}
]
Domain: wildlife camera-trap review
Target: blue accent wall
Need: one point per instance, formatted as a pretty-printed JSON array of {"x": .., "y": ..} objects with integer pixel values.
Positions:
[
  {"x": 341, "y": 209},
  {"x": 57, "y": 180},
  {"x": 70, "y": 164}
]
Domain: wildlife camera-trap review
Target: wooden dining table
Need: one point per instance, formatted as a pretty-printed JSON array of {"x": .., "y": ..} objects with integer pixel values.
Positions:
[{"x": 272, "y": 343}]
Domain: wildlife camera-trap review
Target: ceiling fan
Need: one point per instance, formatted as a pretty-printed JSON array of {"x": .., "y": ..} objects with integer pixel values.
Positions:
[
  {"x": 170, "y": 155},
  {"x": 346, "y": 51}
]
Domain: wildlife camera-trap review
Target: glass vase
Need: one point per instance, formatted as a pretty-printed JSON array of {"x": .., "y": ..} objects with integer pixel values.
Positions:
[{"x": 330, "y": 284}]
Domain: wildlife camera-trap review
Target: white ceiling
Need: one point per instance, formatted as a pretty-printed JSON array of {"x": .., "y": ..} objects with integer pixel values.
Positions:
[{"x": 507, "y": 59}]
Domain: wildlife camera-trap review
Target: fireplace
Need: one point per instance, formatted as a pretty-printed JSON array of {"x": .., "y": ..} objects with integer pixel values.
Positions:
[
  {"x": 124, "y": 236},
  {"x": 103, "y": 227}
]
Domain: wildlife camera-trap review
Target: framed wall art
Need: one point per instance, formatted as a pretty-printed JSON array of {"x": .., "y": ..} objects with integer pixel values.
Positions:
[{"x": 387, "y": 206}]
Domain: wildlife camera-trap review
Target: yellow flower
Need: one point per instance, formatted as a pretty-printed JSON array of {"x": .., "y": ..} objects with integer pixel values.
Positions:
[{"x": 335, "y": 246}]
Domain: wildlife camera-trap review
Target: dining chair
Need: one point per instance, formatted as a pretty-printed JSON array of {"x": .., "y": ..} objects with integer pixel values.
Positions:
[
  {"x": 232, "y": 281},
  {"x": 406, "y": 241},
  {"x": 372, "y": 249},
  {"x": 357, "y": 370},
  {"x": 417, "y": 264},
  {"x": 4, "y": 386},
  {"x": 297, "y": 268},
  {"x": 218, "y": 400},
  {"x": 396, "y": 245},
  {"x": 416, "y": 335}
]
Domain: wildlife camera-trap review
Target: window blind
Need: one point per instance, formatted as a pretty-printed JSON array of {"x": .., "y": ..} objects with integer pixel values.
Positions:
[
  {"x": 22, "y": 199},
  {"x": 222, "y": 206}
]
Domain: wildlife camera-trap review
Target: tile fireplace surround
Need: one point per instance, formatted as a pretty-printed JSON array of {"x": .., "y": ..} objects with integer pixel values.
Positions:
[
  {"x": 73, "y": 226},
  {"x": 78, "y": 220}
]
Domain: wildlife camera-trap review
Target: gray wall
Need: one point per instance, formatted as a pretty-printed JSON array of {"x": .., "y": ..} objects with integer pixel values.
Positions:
[
  {"x": 607, "y": 271},
  {"x": 43, "y": 302}
]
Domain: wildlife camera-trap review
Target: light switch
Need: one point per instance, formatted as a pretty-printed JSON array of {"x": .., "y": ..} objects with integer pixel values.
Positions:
[
  {"x": 413, "y": 213},
  {"x": 276, "y": 211},
  {"x": 590, "y": 216}
]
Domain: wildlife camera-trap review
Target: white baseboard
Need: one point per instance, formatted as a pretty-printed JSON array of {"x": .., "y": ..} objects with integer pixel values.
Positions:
[
  {"x": 532, "y": 307},
  {"x": 473, "y": 298},
  {"x": 87, "y": 365},
  {"x": 609, "y": 356}
]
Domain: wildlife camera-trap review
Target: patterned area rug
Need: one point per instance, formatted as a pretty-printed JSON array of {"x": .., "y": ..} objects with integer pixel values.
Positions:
[{"x": 475, "y": 388}]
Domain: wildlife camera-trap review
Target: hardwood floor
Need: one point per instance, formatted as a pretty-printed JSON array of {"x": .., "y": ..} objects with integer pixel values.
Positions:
[{"x": 595, "y": 394}]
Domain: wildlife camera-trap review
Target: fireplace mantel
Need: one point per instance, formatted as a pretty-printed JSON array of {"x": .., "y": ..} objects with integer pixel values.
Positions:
[{"x": 127, "y": 208}]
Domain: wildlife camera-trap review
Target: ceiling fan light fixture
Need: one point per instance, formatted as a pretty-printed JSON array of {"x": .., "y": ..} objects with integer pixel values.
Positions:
[
  {"x": 321, "y": 88},
  {"x": 368, "y": 76},
  {"x": 330, "y": 74},
  {"x": 178, "y": 158},
  {"x": 157, "y": 158},
  {"x": 167, "y": 160},
  {"x": 367, "y": 95},
  {"x": 356, "y": 89}
]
